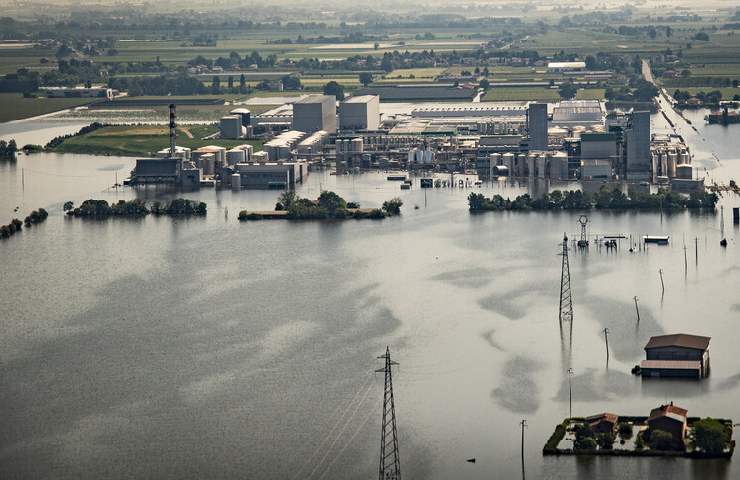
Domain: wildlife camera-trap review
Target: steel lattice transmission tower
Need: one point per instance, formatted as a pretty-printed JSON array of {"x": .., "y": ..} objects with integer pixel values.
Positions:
[
  {"x": 566, "y": 298},
  {"x": 390, "y": 463}
]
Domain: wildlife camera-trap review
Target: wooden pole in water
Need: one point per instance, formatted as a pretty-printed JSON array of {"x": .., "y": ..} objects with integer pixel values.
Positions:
[
  {"x": 606, "y": 340},
  {"x": 662, "y": 285},
  {"x": 696, "y": 249},
  {"x": 637, "y": 309},
  {"x": 685, "y": 261},
  {"x": 523, "y": 423}
]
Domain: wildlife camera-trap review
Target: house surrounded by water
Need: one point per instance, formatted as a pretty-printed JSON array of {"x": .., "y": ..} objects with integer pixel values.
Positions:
[{"x": 677, "y": 355}]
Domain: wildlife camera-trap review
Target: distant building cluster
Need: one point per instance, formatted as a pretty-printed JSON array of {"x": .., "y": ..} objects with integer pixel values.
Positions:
[{"x": 566, "y": 140}]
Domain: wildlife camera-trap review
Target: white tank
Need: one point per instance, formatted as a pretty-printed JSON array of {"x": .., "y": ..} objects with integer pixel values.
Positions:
[
  {"x": 428, "y": 157},
  {"x": 672, "y": 162},
  {"x": 236, "y": 181},
  {"x": 235, "y": 155},
  {"x": 357, "y": 145}
]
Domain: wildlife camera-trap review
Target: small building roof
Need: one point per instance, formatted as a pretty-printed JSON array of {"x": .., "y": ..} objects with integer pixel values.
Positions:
[
  {"x": 679, "y": 340},
  {"x": 609, "y": 417},
  {"x": 670, "y": 411}
]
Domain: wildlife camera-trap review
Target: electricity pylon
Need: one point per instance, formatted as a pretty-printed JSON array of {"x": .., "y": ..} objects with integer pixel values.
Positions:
[
  {"x": 390, "y": 463},
  {"x": 566, "y": 299}
]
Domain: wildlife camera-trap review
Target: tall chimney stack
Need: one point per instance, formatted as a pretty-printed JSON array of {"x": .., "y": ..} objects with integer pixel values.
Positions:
[{"x": 173, "y": 134}]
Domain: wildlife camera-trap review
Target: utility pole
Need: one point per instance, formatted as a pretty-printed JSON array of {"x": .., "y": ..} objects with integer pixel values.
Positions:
[
  {"x": 390, "y": 463},
  {"x": 566, "y": 298},
  {"x": 637, "y": 309},
  {"x": 696, "y": 249},
  {"x": 570, "y": 393},
  {"x": 523, "y": 423},
  {"x": 606, "y": 340}
]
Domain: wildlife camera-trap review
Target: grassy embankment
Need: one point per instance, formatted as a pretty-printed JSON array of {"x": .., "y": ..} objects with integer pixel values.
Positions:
[{"x": 142, "y": 140}]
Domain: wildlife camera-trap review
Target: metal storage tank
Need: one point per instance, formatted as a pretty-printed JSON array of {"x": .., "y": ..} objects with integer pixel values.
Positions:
[
  {"x": 428, "y": 156},
  {"x": 235, "y": 155},
  {"x": 357, "y": 145},
  {"x": 236, "y": 181},
  {"x": 207, "y": 163},
  {"x": 672, "y": 162},
  {"x": 531, "y": 164},
  {"x": 412, "y": 155}
]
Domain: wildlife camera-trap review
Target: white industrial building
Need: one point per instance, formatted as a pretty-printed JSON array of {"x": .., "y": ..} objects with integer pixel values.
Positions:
[
  {"x": 271, "y": 175},
  {"x": 231, "y": 127},
  {"x": 313, "y": 144},
  {"x": 360, "y": 113},
  {"x": 566, "y": 66},
  {"x": 280, "y": 147},
  {"x": 315, "y": 112}
]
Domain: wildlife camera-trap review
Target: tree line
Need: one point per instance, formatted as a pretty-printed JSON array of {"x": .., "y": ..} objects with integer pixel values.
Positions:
[{"x": 603, "y": 199}]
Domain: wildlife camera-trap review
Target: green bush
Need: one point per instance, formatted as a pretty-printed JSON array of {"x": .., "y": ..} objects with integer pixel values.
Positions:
[
  {"x": 605, "y": 441},
  {"x": 709, "y": 435},
  {"x": 393, "y": 206},
  {"x": 661, "y": 440}
]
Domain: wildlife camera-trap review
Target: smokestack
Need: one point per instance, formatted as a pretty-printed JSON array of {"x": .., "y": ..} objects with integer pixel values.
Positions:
[{"x": 173, "y": 134}]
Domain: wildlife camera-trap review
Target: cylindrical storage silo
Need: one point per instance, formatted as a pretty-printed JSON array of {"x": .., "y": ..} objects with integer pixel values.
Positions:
[
  {"x": 672, "y": 162},
  {"x": 236, "y": 181},
  {"x": 234, "y": 156}
]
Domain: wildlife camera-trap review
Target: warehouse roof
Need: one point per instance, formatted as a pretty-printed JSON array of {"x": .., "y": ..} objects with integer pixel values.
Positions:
[
  {"x": 679, "y": 340},
  {"x": 361, "y": 99}
]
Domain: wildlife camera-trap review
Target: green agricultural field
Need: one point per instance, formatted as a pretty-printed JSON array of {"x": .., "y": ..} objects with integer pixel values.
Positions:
[
  {"x": 142, "y": 140},
  {"x": 15, "y": 107},
  {"x": 415, "y": 73},
  {"x": 716, "y": 69},
  {"x": 521, "y": 94},
  {"x": 727, "y": 92},
  {"x": 590, "y": 94}
]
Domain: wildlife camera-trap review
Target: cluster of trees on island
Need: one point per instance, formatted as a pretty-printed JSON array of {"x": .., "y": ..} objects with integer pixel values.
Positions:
[
  {"x": 8, "y": 150},
  {"x": 708, "y": 437},
  {"x": 328, "y": 205},
  {"x": 603, "y": 199},
  {"x": 100, "y": 209},
  {"x": 15, "y": 226}
]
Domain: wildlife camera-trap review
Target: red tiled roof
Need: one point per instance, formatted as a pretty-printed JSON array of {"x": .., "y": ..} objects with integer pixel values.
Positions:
[
  {"x": 609, "y": 417},
  {"x": 667, "y": 410},
  {"x": 679, "y": 340}
]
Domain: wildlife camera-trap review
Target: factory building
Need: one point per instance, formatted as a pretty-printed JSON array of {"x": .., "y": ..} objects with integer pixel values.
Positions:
[
  {"x": 360, "y": 113},
  {"x": 315, "y": 112},
  {"x": 231, "y": 127},
  {"x": 313, "y": 144},
  {"x": 583, "y": 113},
  {"x": 637, "y": 140},
  {"x": 280, "y": 147},
  {"x": 537, "y": 123},
  {"x": 272, "y": 176}
]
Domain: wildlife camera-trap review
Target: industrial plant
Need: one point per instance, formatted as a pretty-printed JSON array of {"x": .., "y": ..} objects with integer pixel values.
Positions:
[{"x": 573, "y": 140}]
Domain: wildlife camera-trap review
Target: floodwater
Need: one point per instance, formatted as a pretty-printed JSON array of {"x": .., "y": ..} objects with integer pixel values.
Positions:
[{"x": 205, "y": 348}]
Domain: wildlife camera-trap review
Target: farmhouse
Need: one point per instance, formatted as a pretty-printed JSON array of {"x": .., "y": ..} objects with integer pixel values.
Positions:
[{"x": 678, "y": 355}]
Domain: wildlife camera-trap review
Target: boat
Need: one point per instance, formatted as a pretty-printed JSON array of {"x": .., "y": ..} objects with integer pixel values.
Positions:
[
  {"x": 396, "y": 178},
  {"x": 657, "y": 239}
]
